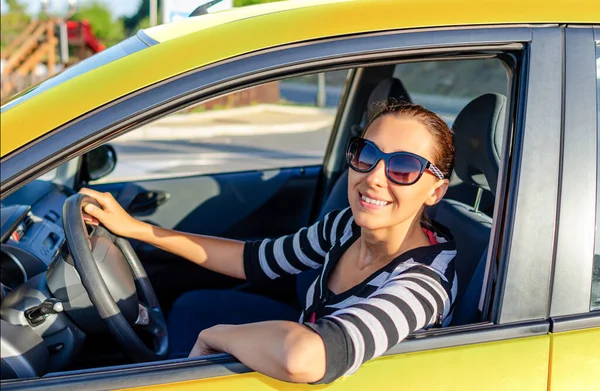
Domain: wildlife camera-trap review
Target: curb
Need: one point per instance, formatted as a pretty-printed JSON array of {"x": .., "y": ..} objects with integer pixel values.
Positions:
[{"x": 191, "y": 126}]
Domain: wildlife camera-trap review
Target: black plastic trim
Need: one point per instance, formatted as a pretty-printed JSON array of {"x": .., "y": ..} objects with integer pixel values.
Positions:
[
  {"x": 147, "y": 374},
  {"x": 528, "y": 248},
  {"x": 145, "y": 38}
]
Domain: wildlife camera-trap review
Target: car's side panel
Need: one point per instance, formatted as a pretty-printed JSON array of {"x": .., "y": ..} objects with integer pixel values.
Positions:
[
  {"x": 575, "y": 360},
  {"x": 518, "y": 364},
  {"x": 529, "y": 239},
  {"x": 571, "y": 289}
]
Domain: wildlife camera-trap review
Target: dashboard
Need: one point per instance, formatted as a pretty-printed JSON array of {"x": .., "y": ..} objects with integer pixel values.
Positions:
[
  {"x": 46, "y": 314},
  {"x": 31, "y": 234},
  {"x": 32, "y": 241}
]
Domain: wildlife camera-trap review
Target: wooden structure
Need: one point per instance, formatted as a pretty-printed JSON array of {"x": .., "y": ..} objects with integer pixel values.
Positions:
[{"x": 37, "y": 44}]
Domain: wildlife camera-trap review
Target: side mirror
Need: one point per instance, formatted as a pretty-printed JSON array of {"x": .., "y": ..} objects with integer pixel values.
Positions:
[{"x": 98, "y": 163}]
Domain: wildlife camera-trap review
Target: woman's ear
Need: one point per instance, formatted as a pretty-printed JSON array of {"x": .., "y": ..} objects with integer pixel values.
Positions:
[{"x": 438, "y": 192}]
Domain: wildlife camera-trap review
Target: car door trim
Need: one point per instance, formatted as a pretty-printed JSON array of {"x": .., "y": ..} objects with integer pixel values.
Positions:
[
  {"x": 179, "y": 370},
  {"x": 572, "y": 281},
  {"x": 528, "y": 239},
  {"x": 165, "y": 97},
  {"x": 561, "y": 324}
]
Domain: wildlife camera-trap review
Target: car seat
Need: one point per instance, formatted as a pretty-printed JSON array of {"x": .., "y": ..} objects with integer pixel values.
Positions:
[{"x": 479, "y": 131}]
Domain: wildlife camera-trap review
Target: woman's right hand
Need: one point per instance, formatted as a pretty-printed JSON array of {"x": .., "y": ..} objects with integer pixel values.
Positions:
[{"x": 112, "y": 215}]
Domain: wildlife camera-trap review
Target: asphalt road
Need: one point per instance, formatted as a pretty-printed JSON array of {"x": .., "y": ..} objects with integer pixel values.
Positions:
[
  {"x": 146, "y": 159},
  {"x": 151, "y": 158}
]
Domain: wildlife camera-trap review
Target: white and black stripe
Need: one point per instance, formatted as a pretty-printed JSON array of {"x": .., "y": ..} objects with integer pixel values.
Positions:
[{"x": 415, "y": 291}]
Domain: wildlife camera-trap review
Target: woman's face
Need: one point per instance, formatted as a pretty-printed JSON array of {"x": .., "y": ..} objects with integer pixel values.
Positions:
[{"x": 403, "y": 203}]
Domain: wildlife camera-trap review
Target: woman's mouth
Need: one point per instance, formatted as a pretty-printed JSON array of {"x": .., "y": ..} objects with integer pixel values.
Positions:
[{"x": 372, "y": 203}]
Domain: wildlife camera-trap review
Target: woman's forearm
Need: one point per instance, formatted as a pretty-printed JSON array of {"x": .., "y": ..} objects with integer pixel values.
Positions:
[
  {"x": 224, "y": 256},
  {"x": 284, "y": 350}
]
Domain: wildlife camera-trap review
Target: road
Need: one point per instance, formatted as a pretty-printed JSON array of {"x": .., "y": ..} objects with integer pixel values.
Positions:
[
  {"x": 148, "y": 156},
  {"x": 148, "y": 159}
]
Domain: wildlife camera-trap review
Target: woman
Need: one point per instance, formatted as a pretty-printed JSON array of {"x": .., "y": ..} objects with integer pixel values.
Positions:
[{"x": 385, "y": 269}]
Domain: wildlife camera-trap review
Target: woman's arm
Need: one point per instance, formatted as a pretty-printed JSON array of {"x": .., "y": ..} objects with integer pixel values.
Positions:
[
  {"x": 284, "y": 350},
  {"x": 224, "y": 256}
]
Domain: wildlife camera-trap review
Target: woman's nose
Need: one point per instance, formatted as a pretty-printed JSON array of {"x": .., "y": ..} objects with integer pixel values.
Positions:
[{"x": 376, "y": 177}]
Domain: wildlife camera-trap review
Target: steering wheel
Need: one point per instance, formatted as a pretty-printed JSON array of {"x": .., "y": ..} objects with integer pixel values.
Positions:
[{"x": 105, "y": 260}]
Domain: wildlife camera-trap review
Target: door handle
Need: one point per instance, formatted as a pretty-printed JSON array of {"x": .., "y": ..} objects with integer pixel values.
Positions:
[{"x": 147, "y": 202}]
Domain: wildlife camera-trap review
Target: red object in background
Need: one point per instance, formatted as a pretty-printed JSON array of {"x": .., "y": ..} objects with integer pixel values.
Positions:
[{"x": 83, "y": 30}]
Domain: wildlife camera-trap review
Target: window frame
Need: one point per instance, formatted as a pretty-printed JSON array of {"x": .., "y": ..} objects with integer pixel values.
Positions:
[
  {"x": 574, "y": 257},
  {"x": 532, "y": 115}
]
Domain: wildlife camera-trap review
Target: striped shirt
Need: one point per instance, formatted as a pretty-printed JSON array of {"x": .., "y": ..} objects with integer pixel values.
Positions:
[{"x": 414, "y": 291}]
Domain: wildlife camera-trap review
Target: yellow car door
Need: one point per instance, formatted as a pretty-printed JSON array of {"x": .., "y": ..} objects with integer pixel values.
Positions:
[{"x": 575, "y": 308}]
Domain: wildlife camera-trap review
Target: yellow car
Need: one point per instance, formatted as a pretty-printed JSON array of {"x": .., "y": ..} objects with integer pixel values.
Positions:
[{"x": 235, "y": 124}]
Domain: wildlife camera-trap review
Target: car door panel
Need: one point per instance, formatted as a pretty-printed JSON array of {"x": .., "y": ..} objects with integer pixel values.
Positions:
[
  {"x": 575, "y": 360},
  {"x": 516, "y": 364},
  {"x": 575, "y": 337}
]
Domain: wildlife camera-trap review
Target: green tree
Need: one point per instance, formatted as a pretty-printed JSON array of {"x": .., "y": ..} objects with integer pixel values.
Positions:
[
  {"x": 141, "y": 19},
  {"x": 108, "y": 30},
  {"x": 13, "y": 22}
]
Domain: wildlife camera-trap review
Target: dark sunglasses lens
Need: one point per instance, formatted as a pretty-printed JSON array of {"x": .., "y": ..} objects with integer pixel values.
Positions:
[
  {"x": 404, "y": 168},
  {"x": 361, "y": 155}
]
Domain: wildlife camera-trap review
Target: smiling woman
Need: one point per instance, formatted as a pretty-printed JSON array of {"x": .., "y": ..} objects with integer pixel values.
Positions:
[
  {"x": 341, "y": 266},
  {"x": 384, "y": 271}
]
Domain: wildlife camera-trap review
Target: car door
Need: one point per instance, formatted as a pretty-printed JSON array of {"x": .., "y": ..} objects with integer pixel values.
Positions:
[
  {"x": 575, "y": 308},
  {"x": 510, "y": 348}
]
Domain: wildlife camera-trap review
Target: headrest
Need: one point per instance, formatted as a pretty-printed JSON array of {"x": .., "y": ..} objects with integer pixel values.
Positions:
[
  {"x": 478, "y": 132},
  {"x": 390, "y": 88}
]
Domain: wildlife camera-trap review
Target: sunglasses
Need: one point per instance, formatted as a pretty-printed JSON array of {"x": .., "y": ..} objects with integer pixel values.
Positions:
[{"x": 402, "y": 168}]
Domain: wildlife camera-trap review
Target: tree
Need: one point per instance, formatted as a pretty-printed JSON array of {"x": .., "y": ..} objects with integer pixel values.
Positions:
[
  {"x": 108, "y": 30},
  {"x": 13, "y": 22},
  {"x": 141, "y": 18}
]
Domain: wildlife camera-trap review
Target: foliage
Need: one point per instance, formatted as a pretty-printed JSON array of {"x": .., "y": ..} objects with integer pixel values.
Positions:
[
  {"x": 107, "y": 30},
  {"x": 13, "y": 22},
  {"x": 141, "y": 18}
]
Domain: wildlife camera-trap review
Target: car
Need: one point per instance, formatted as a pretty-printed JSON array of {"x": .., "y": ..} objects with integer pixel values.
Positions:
[{"x": 204, "y": 125}]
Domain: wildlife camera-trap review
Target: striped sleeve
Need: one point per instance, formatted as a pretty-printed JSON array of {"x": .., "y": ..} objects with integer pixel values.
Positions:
[
  {"x": 368, "y": 328},
  {"x": 269, "y": 259}
]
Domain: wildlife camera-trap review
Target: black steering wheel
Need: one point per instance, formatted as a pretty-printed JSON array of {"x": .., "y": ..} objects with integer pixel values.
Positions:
[{"x": 107, "y": 266}]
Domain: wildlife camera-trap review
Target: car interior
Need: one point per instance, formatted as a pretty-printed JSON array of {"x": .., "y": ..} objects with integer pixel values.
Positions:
[{"x": 38, "y": 282}]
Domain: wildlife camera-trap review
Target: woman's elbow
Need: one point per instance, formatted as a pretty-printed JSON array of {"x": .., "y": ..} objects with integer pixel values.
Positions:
[{"x": 305, "y": 360}]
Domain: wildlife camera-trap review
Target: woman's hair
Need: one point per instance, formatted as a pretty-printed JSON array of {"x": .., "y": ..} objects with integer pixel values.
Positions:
[{"x": 442, "y": 134}]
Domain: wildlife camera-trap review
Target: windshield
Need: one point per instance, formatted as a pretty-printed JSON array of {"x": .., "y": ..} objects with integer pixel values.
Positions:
[{"x": 129, "y": 46}]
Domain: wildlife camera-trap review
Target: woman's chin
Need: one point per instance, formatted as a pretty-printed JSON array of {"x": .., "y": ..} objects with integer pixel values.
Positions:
[{"x": 369, "y": 221}]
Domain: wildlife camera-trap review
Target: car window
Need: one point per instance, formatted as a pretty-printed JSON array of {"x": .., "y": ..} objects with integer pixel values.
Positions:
[
  {"x": 595, "y": 300},
  {"x": 286, "y": 123},
  {"x": 445, "y": 87}
]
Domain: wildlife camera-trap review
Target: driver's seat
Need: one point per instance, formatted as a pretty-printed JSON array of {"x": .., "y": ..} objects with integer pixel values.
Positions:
[{"x": 479, "y": 132}]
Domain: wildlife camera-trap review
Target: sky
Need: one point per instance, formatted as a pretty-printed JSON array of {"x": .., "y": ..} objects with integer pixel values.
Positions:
[{"x": 119, "y": 7}]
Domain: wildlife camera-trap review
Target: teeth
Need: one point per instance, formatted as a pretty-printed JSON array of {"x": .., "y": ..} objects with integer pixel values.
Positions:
[{"x": 372, "y": 201}]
